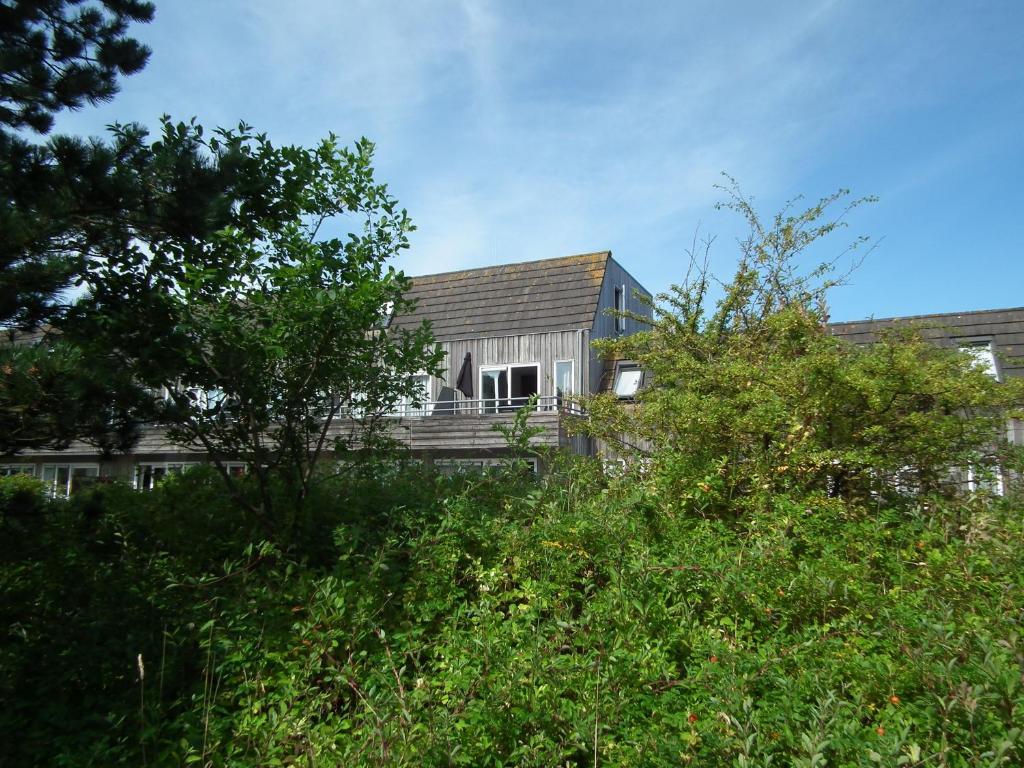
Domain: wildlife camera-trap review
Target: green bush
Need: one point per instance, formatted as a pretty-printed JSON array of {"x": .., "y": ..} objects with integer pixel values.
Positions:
[
  {"x": 21, "y": 497},
  {"x": 492, "y": 620}
]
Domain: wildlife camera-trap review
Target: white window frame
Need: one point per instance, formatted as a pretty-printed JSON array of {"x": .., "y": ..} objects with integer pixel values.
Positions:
[
  {"x": 461, "y": 465},
  {"x": 984, "y": 354},
  {"x": 993, "y": 485},
  {"x": 166, "y": 466},
  {"x": 619, "y": 370},
  {"x": 236, "y": 465},
  {"x": 406, "y": 407},
  {"x": 51, "y": 486},
  {"x": 572, "y": 375},
  {"x": 502, "y": 403}
]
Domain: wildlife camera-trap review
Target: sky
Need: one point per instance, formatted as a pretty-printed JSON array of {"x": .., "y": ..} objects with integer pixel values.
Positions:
[{"x": 520, "y": 130}]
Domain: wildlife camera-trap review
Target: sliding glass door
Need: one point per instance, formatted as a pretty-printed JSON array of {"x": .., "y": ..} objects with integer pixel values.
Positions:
[
  {"x": 507, "y": 387},
  {"x": 493, "y": 389}
]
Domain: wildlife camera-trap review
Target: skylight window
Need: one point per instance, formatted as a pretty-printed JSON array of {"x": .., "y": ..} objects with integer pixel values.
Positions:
[{"x": 627, "y": 381}]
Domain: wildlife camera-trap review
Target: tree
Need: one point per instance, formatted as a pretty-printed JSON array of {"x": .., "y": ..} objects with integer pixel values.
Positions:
[
  {"x": 54, "y": 55},
  {"x": 64, "y": 201},
  {"x": 262, "y": 334},
  {"x": 753, "y": 398},
  {"x": 54, "y": 58}
]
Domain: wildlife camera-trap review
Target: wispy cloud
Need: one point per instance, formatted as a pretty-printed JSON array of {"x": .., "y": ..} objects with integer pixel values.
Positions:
[{"x": 532, "y": 129}]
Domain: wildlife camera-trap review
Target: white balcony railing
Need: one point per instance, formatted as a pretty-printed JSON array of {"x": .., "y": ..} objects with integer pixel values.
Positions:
[{"x": 476, "y": 407}]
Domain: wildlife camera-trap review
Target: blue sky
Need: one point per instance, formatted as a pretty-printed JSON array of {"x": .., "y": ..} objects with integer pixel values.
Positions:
[{"x": 525, "y": 130}]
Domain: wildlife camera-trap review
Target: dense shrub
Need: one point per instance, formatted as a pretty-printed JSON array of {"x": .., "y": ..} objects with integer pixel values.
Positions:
[{"x": 497, "y": 621}]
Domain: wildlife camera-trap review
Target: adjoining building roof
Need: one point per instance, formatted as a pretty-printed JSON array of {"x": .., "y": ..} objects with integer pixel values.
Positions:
[
  {"x": 529, "y": 297},
  {"x": 1004, "y": 328}
]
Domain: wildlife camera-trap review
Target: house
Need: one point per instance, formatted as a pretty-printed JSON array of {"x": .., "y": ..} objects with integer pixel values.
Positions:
[
  {"x": 508, "y": 333},
  {"x": 995, "y": 337}
]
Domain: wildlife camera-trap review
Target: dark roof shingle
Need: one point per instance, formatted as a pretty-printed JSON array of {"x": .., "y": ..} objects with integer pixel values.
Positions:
[
  {"x": 1003, "y": 327},
  {"x": 529, "y": 297}
]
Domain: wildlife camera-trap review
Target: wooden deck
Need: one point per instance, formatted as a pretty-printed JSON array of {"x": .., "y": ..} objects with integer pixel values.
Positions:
[{"x": 470, "y": 431}]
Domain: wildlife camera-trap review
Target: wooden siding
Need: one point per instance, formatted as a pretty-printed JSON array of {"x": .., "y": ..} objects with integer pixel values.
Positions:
[
  {"x": 604, "y": 324},
  {"x": 542, "y": 348},
  {"x": 470, "y": 433}
]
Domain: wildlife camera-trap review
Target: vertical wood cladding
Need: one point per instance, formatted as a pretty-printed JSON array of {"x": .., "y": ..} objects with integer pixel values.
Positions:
[
  {"x": 604, "y": 324},
  {"x": 542, "y": 348}
]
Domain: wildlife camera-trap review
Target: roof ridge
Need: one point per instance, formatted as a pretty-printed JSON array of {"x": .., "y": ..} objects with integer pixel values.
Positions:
[
  {"x": 606, "y": 254},
  {"x": 928, "y": 316}
]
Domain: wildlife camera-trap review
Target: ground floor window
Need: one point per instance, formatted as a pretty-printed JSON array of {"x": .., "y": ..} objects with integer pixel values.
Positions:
[
  {"x": 458, "y": 466},
  {"x": 988, "y": 480},
  {"x": 148, "y": 475},
  {"x": 65, "y": 479},
  {"x": 9, "y": 470},
  {"x": 235, "y": 468}
]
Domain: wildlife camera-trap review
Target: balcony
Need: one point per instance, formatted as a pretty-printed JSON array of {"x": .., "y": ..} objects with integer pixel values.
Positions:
[{"x": 468, "y": 425}]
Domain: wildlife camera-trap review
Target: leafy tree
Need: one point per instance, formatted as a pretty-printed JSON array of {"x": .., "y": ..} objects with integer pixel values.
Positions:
[
  {"x": 753, "y": 397},
  {"x": 263, "y": 333}
]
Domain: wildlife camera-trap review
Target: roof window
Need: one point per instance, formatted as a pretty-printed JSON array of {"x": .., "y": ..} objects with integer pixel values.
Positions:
[{"x": 627, "y": 380}]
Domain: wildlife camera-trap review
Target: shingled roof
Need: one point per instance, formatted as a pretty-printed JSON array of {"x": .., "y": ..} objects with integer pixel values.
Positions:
[
  {"x": 1003, "y": 327},
  {"x": 529, "y": 297}
]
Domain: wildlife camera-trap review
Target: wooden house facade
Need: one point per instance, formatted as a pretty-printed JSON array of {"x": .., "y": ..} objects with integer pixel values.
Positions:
[{"x": 509, "y": 333}]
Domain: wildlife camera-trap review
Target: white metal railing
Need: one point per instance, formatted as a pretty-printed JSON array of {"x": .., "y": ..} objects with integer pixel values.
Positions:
[
  {"x": 479, "y": 406},
  {"x": 471, "y": 407}
]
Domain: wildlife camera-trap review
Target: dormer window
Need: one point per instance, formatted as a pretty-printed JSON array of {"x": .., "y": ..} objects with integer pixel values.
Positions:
[
  {"x": 627, "y": 380},
  {"x": 984, "y": 358}
]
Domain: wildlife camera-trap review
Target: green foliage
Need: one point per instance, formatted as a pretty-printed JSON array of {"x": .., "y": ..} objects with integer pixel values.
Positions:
[
  {"x": 65, "y": 201},
  {"x": 54, "y": 55},
  {"x": 484, "y": 621},
  {"x": 519, "y": 435},
  {"x": 264, "y": 331},
  {"x": 59, "y": 54},
  {"x": 52, "y": 392},
  {"x": 21, "y": 499},
  {"x": 754, "y": 397}
]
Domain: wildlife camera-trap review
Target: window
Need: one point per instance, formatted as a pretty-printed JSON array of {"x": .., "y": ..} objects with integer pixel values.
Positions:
[
  {"x": 65, "y": 479},
  {"x": 459, "y": 466},
  {"x": 565, "y": 379},
  {"x": 620, "y": 306},
  {"x": 507, "y": 387},
  {"x": 235, "y": 468},
  {"x": 984, "y": 358},
  {"x": 9, "y": 470},
  {"x": 987, "y": 480},
  {"x": 148, "y": 475},
  {"x": 627, "y": 380},
  {"x": 417, "y": 405}
]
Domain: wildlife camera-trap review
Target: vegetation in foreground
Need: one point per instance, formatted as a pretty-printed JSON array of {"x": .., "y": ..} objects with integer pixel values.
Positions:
[{"x": 497, "y": 620}]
